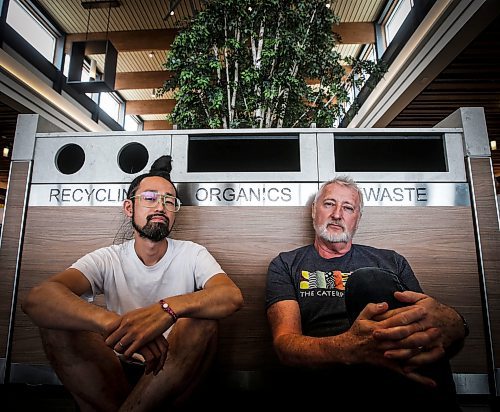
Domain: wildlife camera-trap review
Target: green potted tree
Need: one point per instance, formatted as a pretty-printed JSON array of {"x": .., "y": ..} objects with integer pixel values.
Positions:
[{"x": 268, "y": 63}]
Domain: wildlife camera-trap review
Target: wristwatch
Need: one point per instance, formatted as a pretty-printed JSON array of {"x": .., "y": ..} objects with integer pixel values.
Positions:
[
  {"x": 466, "y": 326},
  {"x": 166, "y": 307}
]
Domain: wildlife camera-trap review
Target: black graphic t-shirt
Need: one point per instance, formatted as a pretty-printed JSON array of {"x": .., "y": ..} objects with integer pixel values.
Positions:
[{"x": 318, "y": 284}]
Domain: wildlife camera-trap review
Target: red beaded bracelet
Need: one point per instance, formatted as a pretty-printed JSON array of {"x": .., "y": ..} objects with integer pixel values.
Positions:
[{"x": 167, "y": 308}]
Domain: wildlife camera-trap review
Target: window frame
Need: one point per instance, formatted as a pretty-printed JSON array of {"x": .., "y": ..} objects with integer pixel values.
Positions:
[
  {"x": 391, "y": 16},
  {"x": 38, "y": 17},
  {"x": 120, "y": 110}
]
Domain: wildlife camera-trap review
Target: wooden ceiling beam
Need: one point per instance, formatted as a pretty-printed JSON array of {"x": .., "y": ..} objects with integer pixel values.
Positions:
[
  {"x": 355, "y": 33},
  {"x": 161, "y": 39},
  {"x": 133, "y": 40},
  {"x": 157, "y": 125},
  {"x": 155, "y": 79},
  {"x": 141, "y": 80},
  {"x": 311, "y": 82},
  {"x": 156, "y": 106}
]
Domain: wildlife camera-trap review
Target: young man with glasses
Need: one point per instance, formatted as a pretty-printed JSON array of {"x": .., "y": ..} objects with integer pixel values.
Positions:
[{"x": 163, "y": 300}]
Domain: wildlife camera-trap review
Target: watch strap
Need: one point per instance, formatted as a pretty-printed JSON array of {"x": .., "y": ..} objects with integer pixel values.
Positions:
[{"x": 167, "y": 308}]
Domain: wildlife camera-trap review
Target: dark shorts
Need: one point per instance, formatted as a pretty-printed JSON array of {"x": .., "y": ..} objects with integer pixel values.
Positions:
[{"x": 133, "y": 369}]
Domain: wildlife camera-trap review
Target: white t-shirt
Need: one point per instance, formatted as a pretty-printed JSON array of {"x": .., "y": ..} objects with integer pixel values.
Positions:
[{"x": 118, "y": 273}]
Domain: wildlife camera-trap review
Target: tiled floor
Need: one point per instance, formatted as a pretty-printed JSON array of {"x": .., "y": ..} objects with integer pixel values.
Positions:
[
  {"x": 54, "y": 398},
  {"x": 479, "y": 404},
  {"x": 40, "y": 398}
]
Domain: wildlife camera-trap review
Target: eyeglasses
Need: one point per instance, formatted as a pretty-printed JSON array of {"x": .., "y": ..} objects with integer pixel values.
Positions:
[{"x": 151, "y": 199}]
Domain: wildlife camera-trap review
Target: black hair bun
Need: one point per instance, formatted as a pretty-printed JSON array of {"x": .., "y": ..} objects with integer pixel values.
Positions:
[{"x": 162, "y": 165}]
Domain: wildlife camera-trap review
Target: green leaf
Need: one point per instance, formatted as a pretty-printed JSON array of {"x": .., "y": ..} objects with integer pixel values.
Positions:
[{"x": 212, "y": 59}]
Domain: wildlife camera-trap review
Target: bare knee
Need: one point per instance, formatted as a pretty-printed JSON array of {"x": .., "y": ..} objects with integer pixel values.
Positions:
[
  {"x": 87, "y": 368},
  {"x": 197, "y": 328},
  {"x": 193, "y": 335},
  {"x": 54, "y": 337},
  {"x": 70, "y": 340},
  {"x": 208, "y": 327},
  {"x": 57, "y": 343}
]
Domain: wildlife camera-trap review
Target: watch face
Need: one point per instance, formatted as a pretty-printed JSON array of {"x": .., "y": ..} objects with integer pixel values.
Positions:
[{"x": 166, "y": 307}]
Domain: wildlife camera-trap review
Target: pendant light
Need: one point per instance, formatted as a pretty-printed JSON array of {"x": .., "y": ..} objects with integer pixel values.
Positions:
[{"x": 82, "y": 51}]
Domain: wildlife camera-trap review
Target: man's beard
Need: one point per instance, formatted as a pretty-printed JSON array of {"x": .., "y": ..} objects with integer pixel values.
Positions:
[
  {"x": 323, "y": 233},
  {"x": 155, "y": 231}
]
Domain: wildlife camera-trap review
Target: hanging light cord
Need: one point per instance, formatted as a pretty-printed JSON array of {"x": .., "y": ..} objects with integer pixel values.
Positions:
[
  {"x": 107, "y": 24},
  {"x": 88, "y": 23}
]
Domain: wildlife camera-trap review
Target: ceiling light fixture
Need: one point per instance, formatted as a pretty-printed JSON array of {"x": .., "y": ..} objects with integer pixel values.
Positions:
[
  {"x": 493, "y": 145},
  {"x": 171, "y": 7},
  {"x": 6, "y": 151},
  {"x": 83, "y": 50},
  {"x": 100, "y": 4}
]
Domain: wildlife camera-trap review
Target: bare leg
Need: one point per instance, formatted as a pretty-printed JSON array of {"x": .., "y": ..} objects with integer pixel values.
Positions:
[
  {"x": 87, "y": 367},
  {"x": 192, "y": 345}
]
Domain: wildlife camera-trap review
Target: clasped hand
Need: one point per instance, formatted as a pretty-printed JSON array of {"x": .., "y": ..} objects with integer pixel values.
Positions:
[
  {"x": 140, "y": 331},
  {"x": 405, "y": 338}
]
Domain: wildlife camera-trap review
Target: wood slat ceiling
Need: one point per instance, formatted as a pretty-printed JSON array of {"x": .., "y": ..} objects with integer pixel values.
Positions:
[
  {"x": 471, "y": 80},
  {"x": 148, "y": 15},
  {"x": 358, "y": 10},
  {"x": 140, "y": 16},
  {"x": 131, "y": 15}
]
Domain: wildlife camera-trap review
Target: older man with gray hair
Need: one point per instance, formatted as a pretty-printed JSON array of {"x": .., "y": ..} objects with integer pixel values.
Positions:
[{"x": 353, "y": 318}]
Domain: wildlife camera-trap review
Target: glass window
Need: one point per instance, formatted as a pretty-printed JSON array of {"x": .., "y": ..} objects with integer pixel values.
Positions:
[
  {"x": 85, "y": 77},
  {"x": 368, "y": 53},
  {"x": 347, "y": 105},
  {"x": 396, "y": 19},
  {"x": 28, "y": 25},
  {"x": 67, "y": 59},
  {"x": 110, "y": 104},
  {"x": 85, "y": 72},
  {"x": 132, "y": 123}
]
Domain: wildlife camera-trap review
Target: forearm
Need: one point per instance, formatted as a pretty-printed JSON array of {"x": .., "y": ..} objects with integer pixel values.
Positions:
[
  {"x": 454, "y": 330},
  {"x": 52, "y": 305},
  {"x": 299, "y": 350},
  {"x": 212, "y": 303}
]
